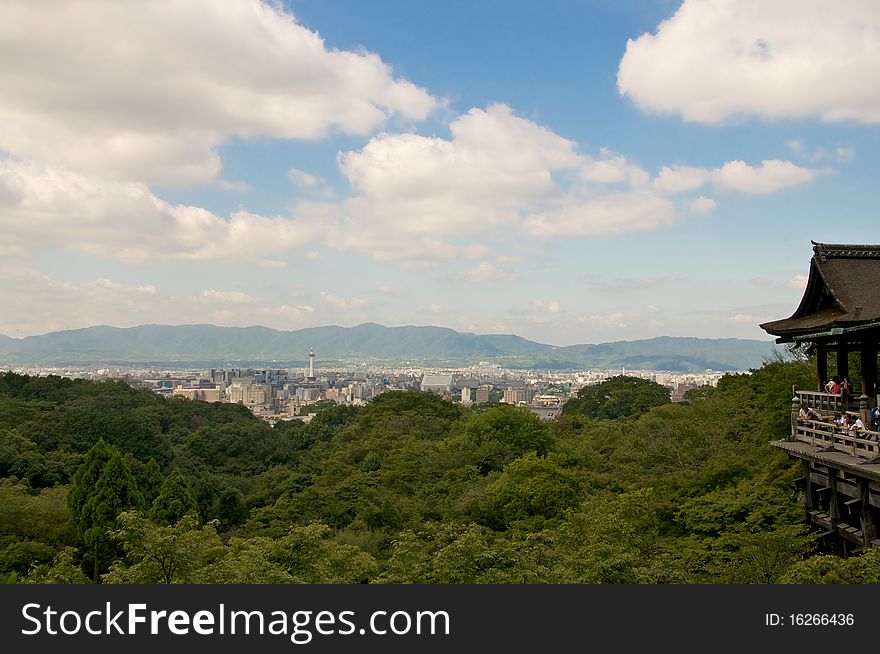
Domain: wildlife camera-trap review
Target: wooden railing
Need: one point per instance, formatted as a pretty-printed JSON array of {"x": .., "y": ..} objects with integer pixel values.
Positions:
[
  {"x": 827, "y": 402},
  {"x": 864, "y": 444}
]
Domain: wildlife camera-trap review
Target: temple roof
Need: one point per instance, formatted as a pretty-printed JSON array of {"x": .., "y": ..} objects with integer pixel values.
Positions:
[{"x": 843, "y": 292}]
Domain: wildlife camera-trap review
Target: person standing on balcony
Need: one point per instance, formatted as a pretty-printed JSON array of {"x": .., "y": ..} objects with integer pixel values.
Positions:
[{"x": 833, "y": 386}]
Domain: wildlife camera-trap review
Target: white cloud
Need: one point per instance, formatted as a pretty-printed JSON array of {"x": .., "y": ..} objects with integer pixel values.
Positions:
[
  {"x": 393, "y": 290},
  {"x": 423, "y": 200},
  {"x": 797, "y": 283},
  {"x": 239, "y": 186},
  {"x": 231, "y": 297},
  {"x": 743, "y": 319},
  {"x": 545, "y": 307},
  {"x": 612, "y": 168},
  {"x": 628, "y": 285},
  {"x": 435, "y": 308},
  {"x": 142, "y": 289},
  {"x": 610, "y": 214},
  {"x": 772, "y": 175},
  {"x": 677, "y": 179},
  {"x": 44, "y": 304},
  {"x": 43, "y": 206},
  {"x": 148, "y": 90},
  {"x": 302, "y": 179},
  {"x": 845, "y": 155},
  {"x": 702, "y": 205},
  {"x": 412, "y": 193},
  {"x": 495, "y": 164},
  {"x": 610, "y": 319},
  {"x": 343, "y": 303},
  {"x": 787, "y": 58},
  {"x": 486, "y": 272}
]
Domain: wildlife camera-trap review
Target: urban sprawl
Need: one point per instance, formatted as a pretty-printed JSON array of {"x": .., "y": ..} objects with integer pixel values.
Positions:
[{"x": 298, "y": 393}]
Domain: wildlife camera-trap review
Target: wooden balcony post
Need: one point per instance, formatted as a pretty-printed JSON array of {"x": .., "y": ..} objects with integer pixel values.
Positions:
[
  {"x": 795, "y": 411},
  {"x": 869, "y": 368},
  {"x": 842, "y": 361},
  {"x": 821, "y": 365}
]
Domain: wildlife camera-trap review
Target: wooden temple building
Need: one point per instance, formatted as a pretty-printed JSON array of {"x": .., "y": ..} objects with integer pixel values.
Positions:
[{"x": 838, "y": 321}]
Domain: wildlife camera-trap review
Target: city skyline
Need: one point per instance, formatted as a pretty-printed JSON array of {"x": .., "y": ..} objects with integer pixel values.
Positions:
[{"x": 569, "y": 172}]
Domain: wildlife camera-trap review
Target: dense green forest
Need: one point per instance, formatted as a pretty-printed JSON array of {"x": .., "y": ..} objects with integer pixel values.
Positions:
[{"x": 103, "y": 483}]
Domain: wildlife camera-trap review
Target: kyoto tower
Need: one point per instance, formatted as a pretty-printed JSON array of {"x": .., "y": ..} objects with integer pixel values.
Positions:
[{"x": 311, "y": 364}]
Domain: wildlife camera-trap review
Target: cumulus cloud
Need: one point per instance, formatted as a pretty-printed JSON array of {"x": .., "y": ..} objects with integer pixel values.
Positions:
[
  {"x": 148, "y": 90},
  {"x": 789, "y": 58},
  {"x": 232, "y": 297},
  {"x": 418, "y": 201},
  {"x": 393, "y": 290},
  {"x": 545, "y": 307},
  {"x": 772, "y": 175},
  {"x": 614, "y": 213},
  {"x": 302, "y": 179},
  {"x": 611, "y": 167},
  {"x": 677, "y": 179},
  {"x": 43, "y": 303},
  {"x": 412, "y": 193},
  {"x": 702, "y": 205},
  {"x": 343, "y": 303},
  {"x": 47, "y": 206},
  {"x": 486, "y": 272},
  {"x": 495, "y": 164},
  {"x": 609, "y": 319}
]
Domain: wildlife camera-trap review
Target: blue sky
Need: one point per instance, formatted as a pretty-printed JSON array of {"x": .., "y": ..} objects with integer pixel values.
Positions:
[{"x": 569, "y": 171}]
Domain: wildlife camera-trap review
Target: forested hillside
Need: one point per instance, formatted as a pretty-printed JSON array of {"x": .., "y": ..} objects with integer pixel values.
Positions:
[
  {"x": 211, "y": 345},
  {"x": 103, "y": 483}
]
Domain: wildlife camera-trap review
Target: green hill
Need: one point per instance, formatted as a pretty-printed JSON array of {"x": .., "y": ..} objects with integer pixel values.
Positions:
[{"x": 212, "y": 345}]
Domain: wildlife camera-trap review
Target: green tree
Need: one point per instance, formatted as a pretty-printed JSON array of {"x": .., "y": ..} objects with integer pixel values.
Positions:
[
  {"x": 231, "y": 509},
  {"x": 62, "y": 570},
  {"x": 174, "y": 500},
  {"x": 305, "y": 555},
  {"x": 102, "y": 488},
  {"x": 825, "y": 569},
  {"x": 156, "y": 554},
  {"x": 499, "y": 435},
  {"x": 530, "y": 487},
  {"x": 618, "y": 397}
]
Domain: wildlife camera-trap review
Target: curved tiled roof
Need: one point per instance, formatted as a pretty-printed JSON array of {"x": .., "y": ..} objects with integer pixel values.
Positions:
[{"x": 843, "y": 290}]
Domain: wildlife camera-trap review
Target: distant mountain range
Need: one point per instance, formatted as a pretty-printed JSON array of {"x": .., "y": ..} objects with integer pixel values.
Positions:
[{"x": 219, "y": 346}]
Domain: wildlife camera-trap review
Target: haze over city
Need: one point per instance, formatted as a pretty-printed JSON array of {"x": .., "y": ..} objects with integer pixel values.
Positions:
[{"x": 571, "y": 172}]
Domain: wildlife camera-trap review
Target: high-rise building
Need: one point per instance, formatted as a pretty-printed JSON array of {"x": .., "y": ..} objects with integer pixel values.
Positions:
[{"x": 482, "y": 394}]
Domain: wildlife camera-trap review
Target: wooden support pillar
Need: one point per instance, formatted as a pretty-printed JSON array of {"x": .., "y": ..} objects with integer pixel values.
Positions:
[
  {"x": 842, "y": 361},
  {"x": 822, "y": 365},
  {"x": 809, "y": 496},
  {"x": 869, "y": 369},
  {"x": 833, "y": 498},
  {"x": 866, "y": 517}
]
